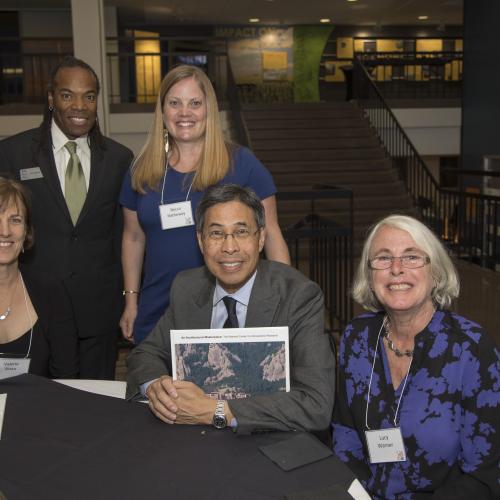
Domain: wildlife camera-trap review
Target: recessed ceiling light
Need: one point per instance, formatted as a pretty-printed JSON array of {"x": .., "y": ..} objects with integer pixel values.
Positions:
[
  {"x": 324, "y": 20},
  {"x": 254, "y": 20},
  {"x": 423, "y": 18},
  {"x": 352, "y": 0}
]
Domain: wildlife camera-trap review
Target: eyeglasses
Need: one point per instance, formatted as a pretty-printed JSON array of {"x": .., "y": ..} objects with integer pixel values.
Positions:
[
  {"x": 408, "y": 261},
  {"x": 240, "y": 234}
]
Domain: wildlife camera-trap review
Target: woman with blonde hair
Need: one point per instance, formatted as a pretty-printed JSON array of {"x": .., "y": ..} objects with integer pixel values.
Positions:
[
  {"x": 184, "y": 154},
  {"x": 417, "y": 406}
]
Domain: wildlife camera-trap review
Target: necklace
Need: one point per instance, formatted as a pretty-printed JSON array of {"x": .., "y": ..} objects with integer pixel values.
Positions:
[
  {"x": 392, "y": 347},
  {"x": 5, "y": 315}
]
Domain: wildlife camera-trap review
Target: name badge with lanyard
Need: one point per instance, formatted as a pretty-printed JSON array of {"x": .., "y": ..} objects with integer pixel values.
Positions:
[
  {"x": 174, "y": 215},
  {"x": 11, "y": 365},
  {"x": 385, "y": 445}
]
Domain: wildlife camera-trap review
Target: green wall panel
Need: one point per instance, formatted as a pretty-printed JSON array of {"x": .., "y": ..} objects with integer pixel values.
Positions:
[{"x": 308, "y": 43}]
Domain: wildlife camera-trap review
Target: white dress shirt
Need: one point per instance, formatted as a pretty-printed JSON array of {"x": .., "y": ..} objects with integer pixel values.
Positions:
[
  {"x": 242, "y": 297},
  {"x": 62, "y": 156}
]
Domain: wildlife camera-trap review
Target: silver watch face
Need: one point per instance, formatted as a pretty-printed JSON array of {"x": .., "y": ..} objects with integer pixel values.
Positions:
[{"x": 219, "y": 421}]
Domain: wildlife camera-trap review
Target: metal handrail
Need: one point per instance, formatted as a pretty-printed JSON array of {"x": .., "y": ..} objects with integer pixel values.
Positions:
[
  {"x": 467, "y": 222},
  {"x": 328, "y": 249}
]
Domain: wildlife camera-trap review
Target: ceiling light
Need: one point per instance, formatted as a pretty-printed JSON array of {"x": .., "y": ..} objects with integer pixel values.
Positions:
[
  {"x": 352, "y": 0},
  {"x": 423, "y": 18},
  {"x": 254, "y": 20},
  {"x": 324, "y": 20}
]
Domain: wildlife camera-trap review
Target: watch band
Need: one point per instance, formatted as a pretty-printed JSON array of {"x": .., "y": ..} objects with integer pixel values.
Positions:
[{"x": 219, "y": 421}]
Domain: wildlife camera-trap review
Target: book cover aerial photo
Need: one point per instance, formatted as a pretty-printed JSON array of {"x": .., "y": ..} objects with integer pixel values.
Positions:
[{"x": 232, "y": 363}]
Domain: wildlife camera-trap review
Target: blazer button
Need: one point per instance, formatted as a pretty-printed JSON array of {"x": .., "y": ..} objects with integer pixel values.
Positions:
[{"x": 74, "y": 237}]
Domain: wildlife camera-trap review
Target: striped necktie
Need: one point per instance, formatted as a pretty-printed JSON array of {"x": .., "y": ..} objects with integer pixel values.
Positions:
[
  {"x": 75, "y": 188},
  {"x": 232, "y": 319}
]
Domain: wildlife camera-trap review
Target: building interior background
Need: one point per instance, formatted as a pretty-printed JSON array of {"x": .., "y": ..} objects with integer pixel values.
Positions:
[{"x": 368, "y": 107}]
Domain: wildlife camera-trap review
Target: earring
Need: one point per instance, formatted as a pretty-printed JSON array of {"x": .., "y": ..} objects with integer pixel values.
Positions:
[
  {"x": 51, "y": 108},
  {"x": 167, "y": 144},
  {"x": 22, "y": 248}
]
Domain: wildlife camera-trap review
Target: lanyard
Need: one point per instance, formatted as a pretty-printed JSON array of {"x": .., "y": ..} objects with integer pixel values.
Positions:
[
  {"x": 29, "y": 318},
  {"x": 371, "y": 377},
  {"x": 163, "y": 185}
]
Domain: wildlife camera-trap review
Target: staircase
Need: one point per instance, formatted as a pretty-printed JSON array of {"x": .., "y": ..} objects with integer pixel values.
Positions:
[{"x": 326, "y": 144}]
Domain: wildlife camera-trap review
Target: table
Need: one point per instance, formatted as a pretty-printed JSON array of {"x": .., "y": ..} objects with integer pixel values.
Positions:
[
  {"x": 113, "y": 388},
  {"x": 62, "y": 443}
]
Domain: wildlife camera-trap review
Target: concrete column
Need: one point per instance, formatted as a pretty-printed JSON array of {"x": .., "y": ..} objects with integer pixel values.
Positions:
[{"x": 89, "y": 43}]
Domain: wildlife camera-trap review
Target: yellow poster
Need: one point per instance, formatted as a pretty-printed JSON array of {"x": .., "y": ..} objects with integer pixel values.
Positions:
[{"x": 274, "y": 60}]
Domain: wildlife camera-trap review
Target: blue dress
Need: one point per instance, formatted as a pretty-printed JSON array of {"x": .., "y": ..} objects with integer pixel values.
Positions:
[
  {"x": 449, "y": 414},
  {"x": 173, "y": 250}
]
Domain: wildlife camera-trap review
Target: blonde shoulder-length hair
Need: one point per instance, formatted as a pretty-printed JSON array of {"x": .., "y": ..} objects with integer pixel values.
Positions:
[
  {"x": 443, "y": 272},
  {"x": 149, "y": 166}
]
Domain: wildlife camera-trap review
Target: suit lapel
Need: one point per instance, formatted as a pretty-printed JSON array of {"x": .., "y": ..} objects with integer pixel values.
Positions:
[
  {"x": 263, "y": 302},
  {"x": 47, "y": 166},
  {"x": 201, "y": 316}
]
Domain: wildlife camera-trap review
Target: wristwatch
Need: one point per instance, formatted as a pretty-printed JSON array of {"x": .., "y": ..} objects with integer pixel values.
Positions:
[{"x": 219, "y": 421}]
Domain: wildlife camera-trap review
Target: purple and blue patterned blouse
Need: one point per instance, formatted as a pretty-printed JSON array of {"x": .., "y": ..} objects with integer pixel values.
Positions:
[{"x": 449, "y": 413}]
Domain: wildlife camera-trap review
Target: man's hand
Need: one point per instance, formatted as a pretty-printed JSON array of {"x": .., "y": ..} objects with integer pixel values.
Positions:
[
  {"x": 162, "y": 396},
  {"x": 193, "y": 405}
]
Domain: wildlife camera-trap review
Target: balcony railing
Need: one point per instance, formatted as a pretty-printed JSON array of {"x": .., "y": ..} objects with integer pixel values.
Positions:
[{"x": 404, "y": 75}]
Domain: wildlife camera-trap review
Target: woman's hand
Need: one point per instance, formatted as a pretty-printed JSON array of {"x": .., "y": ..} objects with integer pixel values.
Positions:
[{"x": 127, "y": 321}]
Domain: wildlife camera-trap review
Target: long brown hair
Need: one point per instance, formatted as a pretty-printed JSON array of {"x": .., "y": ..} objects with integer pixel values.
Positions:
[{"x": 149, "y": 166}]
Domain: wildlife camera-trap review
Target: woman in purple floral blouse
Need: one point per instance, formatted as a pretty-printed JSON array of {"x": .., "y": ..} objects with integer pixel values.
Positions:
[{"x": 417, "y": 412}]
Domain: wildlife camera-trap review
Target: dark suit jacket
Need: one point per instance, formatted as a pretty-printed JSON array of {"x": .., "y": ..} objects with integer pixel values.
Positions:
[
  {"x": 281, "y": 296},
  {"x": 86, "y": 257}
]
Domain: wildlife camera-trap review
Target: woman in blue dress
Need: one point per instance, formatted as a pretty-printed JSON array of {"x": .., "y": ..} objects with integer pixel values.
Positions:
[
  {"x": 417, "y": 409},
  {"x": 184, "y": 154}
]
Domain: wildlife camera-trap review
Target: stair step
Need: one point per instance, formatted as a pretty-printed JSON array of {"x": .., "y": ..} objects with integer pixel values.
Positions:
[
  {"x": 358, "y": 183},
  {"x": 320, "y": 154},
  {"x": 305, "y": 133},
  {"x": 304, "y": 166},
  {"x": 279, "y": 122},
  {"x": 290, "y": 114},
  {"x": 305, "y": 106},
  {"x": 313, "y": 144}
]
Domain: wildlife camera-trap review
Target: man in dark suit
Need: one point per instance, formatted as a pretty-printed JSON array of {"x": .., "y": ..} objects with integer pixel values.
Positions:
[
  {"x": 75, "y": 175},
  {"x": 231, "y": 233}
]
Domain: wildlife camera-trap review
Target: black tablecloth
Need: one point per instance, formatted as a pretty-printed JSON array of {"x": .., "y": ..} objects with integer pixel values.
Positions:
[{"x": 62, "y": 443}]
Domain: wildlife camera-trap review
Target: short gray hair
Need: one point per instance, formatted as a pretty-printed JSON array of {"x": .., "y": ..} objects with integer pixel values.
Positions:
[
  {"x": 442, "y": 269},
  {"x": 225, "y": 193}
]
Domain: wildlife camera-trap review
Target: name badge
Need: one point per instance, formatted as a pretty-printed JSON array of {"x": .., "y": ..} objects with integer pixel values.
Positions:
[
  {"x": 385, "y": 445},
  {"x": 28, "y": 174},
  {"x": 174, "y": 215},
  {"x": 11, "y": 367}
]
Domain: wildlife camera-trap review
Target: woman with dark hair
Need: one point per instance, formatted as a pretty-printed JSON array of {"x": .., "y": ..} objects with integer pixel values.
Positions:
[
  {"x": 417, "y": 410},
  {"x": 184, "y": 154},
  {"x": 37, "y": 330}
]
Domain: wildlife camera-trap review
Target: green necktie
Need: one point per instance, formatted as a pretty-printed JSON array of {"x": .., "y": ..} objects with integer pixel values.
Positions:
[{"x": 75, "y": 189}]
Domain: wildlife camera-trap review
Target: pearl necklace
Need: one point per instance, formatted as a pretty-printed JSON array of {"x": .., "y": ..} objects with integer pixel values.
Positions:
[{"x": 392, "y": 347}]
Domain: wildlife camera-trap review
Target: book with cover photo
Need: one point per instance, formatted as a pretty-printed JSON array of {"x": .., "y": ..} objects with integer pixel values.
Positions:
[{"x": 232, "y": 363}]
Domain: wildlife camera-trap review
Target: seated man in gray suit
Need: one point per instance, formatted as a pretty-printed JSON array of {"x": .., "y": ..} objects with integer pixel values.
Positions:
[{"x": 231, "y": 233}]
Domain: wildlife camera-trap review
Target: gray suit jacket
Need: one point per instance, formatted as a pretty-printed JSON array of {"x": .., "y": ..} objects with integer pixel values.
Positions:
[{"x": 281, "y": 296}]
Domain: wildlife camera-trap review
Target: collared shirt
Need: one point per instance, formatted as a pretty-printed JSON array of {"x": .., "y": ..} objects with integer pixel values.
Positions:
[
  {"x": 242, "y": 297},
  {"x": 62, "y": 156}
]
